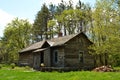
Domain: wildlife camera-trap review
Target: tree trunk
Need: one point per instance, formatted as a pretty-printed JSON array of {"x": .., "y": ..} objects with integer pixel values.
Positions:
[
  {"x": 106, "y": 59},
  {"x": 101, "y": 60},
  {"x": 95, "y": 61},
  {"x": 65, "y": 31}
]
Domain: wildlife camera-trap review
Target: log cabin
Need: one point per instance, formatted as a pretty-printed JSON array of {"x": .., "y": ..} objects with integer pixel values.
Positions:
[{"x": 67, "y": 53}]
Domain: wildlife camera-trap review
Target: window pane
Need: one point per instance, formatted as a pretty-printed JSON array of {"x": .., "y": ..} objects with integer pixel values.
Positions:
[{"x": 81, "y": 57}]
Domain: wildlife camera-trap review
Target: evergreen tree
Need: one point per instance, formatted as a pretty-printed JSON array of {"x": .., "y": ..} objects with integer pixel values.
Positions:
[
  {"x": 52, "y": 10},
  {"x": 40, "y": 24}
]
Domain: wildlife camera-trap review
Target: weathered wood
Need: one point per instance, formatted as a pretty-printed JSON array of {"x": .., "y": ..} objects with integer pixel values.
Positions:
[
  {"x": 60, "y": 51},
  {"x": 73, "y": 49},
  {"x": 26, "y": 59},
  {"x": 47, "y": 59},
  {"x": 69, "y": 51}
]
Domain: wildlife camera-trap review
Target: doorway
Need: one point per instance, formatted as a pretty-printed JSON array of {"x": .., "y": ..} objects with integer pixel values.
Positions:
[
  {"x": 38, "y": 60},
  {"x": 41, "y": 57}
]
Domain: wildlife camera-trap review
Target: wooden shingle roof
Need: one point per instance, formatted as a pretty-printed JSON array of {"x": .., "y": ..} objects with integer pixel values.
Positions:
[
  {"x": 60, "y": 40},
  {"x": 52, "y": 42},
  {"x": 33, "y": 46}
]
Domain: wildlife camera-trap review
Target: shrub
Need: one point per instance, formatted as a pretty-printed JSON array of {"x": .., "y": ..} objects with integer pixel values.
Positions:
[
  {"x": 13, "y": 65},
  {"x": 27, "y": 67}
]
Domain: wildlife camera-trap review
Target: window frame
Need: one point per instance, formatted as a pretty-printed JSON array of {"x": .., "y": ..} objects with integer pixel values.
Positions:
[{"x": 81, "y": 56}]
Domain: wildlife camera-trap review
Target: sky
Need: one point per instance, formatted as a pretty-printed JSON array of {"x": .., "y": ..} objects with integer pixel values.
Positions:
[{"x": 25, "y": 9}]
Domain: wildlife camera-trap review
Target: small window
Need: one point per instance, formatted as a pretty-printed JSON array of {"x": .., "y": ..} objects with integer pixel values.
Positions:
[
  {"x": 56, "y": 56},
  {"x": 81, "y": 56}
]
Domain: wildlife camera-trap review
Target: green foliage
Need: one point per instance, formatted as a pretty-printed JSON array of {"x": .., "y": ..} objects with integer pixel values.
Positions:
[
  {"x": 17, "y": 35},
  {"x": 105, "y": 32},
  {"x": 27, "y": 68},
  {"x": 40, "y": 24},
  {"x": 28, "y": 75},
  {"x": 61, "y": 7},
  {"x": 12, "y": 65},
  {"x": 51, "y": 28},
  {"x": 73, "y": 20}
]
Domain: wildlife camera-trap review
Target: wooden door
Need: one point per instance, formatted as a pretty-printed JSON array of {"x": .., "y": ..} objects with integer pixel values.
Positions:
[{"x": 36, "y": 61}]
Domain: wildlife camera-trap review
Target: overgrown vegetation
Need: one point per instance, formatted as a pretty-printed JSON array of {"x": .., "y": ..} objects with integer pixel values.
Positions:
[
  {"x": 12, "y": 65},
  {"x": 17, "y": 35},
  {"x": 105, "y": 33},
  {"x": 28, "y": 75},
  {"x": 18, "y": 73}
]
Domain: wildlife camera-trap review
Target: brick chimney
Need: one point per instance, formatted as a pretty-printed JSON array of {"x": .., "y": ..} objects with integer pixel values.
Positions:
[{"x": 60, "y": 34}]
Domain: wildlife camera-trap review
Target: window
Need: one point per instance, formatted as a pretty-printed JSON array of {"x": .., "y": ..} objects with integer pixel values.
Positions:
[
  {"x": 55, "y": 56},
  {"x": 81, "y": 56}
]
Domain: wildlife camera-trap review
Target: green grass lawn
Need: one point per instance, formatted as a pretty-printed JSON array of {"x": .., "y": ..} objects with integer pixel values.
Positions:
[{"x": 22, "y": 74}]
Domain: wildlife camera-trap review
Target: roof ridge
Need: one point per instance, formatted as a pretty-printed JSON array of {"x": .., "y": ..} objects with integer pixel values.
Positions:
[
  {"x": 52, "y": 42},
  {"x": 61, "y": 40}
]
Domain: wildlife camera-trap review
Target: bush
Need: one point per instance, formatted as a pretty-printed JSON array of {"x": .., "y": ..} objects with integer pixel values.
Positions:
[
  {"x": 27, "y": 67},
  {"x": 13, "y": 65}
]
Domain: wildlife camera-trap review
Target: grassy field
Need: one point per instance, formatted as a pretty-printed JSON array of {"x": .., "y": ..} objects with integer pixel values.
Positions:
[{"x": 23, "y": 74}]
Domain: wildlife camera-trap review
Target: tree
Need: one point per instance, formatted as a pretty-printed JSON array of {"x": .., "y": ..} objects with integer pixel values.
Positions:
[
  {"x": 40, "y": 24},
  {"x": 106, "y": 32},
  {"x": 70, "y": 21},
  {"x": 52, "y": 10},
  {"x": 61, "y": 7},
  {"x": 17, "y": 35},
  {"x": 70, "y": 5},
  {"x": 87, "y": 14},
  {"x": 51, "y": 28}
]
